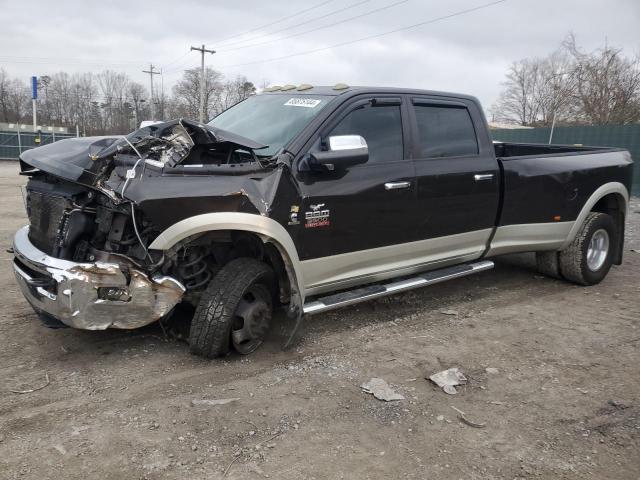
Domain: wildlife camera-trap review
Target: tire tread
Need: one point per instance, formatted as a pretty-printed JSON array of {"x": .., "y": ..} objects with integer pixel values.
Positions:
[
  {"x": 571, "y": 259},
  {"x": 211, "y": 325}
]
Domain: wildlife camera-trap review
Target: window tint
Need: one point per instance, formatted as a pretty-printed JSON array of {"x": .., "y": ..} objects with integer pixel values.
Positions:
[
  {"x": 381, "y": 127},
  {"x": 445, "y": 131}
]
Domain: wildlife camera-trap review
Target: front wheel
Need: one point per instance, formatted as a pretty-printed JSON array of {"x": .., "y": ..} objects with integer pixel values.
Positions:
[
  {"x": 235, "y": 310},
  {"x": 589, "y": 256}
]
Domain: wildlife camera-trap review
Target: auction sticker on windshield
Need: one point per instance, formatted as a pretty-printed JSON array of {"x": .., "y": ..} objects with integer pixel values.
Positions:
[{"x": 303, "y": 102}]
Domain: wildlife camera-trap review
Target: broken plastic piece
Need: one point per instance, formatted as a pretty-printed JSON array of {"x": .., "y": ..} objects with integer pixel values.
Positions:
[{"x": 449, "y": 379}]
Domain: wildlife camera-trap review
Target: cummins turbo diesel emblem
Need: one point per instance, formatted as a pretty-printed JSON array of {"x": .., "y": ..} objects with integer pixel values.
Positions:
[
  {"x": 293, "y": 215},
  {"x": 317, "y": 217}
]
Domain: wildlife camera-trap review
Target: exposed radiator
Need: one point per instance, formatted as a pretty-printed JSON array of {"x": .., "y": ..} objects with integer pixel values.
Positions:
[{"x": 46, "y": 213}]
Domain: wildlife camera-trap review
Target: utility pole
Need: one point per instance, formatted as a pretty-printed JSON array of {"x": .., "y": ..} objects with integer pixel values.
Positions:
[
  {"x": 202, "y": 51},
  {"x": 151, "y": 74}
]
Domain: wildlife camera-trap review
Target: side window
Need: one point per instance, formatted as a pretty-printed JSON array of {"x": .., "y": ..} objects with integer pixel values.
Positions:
[
  {"x": 445, "y": 131},
  {"x": 381, "y": 127}
]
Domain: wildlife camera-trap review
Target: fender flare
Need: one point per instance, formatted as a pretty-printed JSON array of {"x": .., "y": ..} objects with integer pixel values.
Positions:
[
  {"x": 601, "y": 192},
  {"x": 268, "y": 229}
]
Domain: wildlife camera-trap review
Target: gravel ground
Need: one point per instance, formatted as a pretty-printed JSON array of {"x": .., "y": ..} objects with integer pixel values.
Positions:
[{"x": 561, "y": 398}]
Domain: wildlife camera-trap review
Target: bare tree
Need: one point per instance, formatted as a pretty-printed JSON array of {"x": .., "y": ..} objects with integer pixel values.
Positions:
[
  {"x": 139, "y": 99},
  {"x": 4, "y": 96},
  {"x": 234, "y": 91},
  {"x": 571, "y": 86},
  {"x": 110, "y": 102},
  {"x": 607, "y": 84},
  {"x": 187, "y": 93}
]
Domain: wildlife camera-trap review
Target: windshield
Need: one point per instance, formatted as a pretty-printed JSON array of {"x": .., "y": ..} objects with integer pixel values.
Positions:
[{"x": 272, "y": 120}]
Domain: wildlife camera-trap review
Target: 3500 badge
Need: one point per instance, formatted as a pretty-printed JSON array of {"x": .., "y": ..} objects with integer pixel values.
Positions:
[{"x": 317, "y": 217}]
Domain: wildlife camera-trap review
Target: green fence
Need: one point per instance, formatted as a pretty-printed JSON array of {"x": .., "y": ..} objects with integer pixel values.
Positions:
[
  {"x": 13, "y": 143},
  {"x": 622, "y": 136}
]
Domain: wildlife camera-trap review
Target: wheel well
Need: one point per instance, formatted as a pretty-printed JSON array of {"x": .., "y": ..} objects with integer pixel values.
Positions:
[
  {"x": 222, "y": 246},
  {"x": 614, "y": 205}
]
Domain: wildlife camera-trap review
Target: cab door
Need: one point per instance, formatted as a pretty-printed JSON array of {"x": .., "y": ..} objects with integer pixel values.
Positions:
[
  {"x": 457, "y": 176},
  {"x": 352, "y": 219}
]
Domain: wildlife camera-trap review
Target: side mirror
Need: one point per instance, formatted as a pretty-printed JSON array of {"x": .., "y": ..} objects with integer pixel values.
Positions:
[{"x": 344, "y": 151}]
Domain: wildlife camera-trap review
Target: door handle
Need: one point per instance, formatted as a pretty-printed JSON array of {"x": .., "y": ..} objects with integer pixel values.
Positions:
[
  {"x": 479, "y": 177},
  {"x": 396, "y": 185}
]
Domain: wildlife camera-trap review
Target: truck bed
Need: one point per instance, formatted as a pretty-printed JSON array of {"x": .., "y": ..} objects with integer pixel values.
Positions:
[
  {"x": 510, "y": 150},
  {"x": 546, "y": 186}
]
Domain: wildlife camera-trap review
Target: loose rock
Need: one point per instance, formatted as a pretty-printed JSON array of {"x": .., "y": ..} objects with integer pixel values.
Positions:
[{"x": 381, "y": 390}]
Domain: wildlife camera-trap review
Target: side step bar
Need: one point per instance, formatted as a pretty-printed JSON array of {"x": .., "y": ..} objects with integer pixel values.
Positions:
[{"x": 370, "y": 292}]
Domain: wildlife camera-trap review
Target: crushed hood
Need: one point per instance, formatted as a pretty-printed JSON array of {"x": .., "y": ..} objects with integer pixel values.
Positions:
[{"x": 88, "y": 160}]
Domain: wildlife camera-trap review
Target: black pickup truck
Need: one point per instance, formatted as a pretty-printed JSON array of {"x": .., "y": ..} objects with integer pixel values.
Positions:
[{"x": 307, "y": 197}]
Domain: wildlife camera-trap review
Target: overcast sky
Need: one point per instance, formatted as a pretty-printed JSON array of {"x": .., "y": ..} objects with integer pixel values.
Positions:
[{"x": 467, "y": 53}]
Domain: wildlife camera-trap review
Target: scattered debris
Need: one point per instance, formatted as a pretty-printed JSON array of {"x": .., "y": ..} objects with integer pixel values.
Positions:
[
  {"x": 268, "y": 440},
  {"x": 457, "y": 410},
  {"x": 229, "y": 466},
  {"x": 466, "y": 421},
  {"x": 492, "y": 371},
  {"x": 449, "y": 379},
  {"x": 449, "y": 312},
  {"x": 381, "y": 390},
  {"x": 31, "y": 390},
  {"x": 463, "y": 418},
  {"x": 213, "y": 402},
  {"x": 60, "y": 449}
]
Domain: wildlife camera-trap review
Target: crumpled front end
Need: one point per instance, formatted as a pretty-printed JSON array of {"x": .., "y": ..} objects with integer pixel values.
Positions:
[{"x": 91, "y": 296}]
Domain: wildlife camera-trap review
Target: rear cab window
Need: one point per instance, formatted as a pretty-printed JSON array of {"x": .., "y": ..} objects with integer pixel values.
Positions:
[{"x": 444, "y": 129}]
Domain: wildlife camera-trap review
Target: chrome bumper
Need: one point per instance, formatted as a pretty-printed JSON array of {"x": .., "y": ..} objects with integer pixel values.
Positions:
[{"x": 91, "y": 296}]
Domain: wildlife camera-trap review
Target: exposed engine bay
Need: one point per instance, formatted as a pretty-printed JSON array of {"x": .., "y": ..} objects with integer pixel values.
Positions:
[{"x": 96, "y": 215}]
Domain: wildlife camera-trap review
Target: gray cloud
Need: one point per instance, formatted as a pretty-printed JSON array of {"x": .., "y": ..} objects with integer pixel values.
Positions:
[{"x": 468, "y": 53}]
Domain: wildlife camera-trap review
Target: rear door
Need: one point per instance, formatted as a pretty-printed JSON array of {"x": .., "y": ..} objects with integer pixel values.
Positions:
[
  {"x": 457, "y": 176},
  {"x": 364, "y": 211}
]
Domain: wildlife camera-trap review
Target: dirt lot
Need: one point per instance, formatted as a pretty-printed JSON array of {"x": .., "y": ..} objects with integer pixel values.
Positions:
[{"x": 564, "y": 401}]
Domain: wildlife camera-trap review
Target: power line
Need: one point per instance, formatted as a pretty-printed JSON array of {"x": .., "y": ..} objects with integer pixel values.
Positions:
[
  {"x": 176, "y": 59},
  {"x": 362, "y": 39},
  {"x": 314, "y": 19},
  {"x": 318, "y": 5},
  {"x": 370, "y": 12}
]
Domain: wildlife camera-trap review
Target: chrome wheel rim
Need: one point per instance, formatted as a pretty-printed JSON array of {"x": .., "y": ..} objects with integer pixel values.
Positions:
[
  {"x": 251, "y": 320},
  {"x": 598, "y": 249}
]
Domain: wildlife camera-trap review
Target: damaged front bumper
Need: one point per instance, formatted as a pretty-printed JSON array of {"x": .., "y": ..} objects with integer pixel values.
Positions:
[{"x": 91, "y": 296}]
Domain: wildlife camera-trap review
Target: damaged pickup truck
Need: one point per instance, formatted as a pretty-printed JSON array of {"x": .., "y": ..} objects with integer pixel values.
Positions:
[{"x": 307, "y": 197}]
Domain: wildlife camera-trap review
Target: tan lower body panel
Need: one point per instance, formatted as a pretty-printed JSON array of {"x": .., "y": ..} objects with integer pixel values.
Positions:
[
  {"x": 356, "y": 268},
  {"x": 529, "y": 237}
]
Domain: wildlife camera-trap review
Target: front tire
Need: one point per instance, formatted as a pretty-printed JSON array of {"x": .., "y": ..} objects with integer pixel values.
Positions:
[
  {"x": 235, "y": 310},
  {"x": 589, "y": 256}
]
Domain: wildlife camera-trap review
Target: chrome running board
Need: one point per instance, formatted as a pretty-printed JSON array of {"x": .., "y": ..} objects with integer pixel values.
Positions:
[{"x": 370, "y": 292}]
